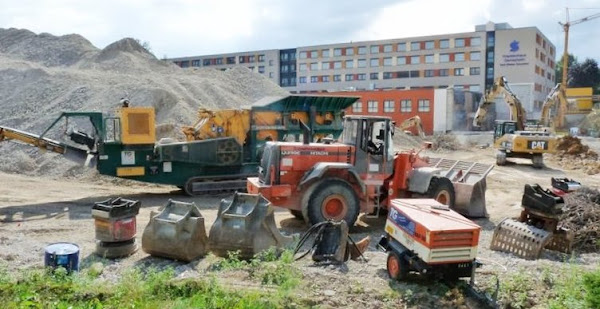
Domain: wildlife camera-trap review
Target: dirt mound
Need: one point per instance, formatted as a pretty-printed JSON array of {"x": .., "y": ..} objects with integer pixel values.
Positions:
[
  {"x": 582, "y": 216},
  {"x": 571, "y": 145},
  {"x": 445, "y": 142},
  {"x": 574, "y": 155},
  {"x": 43, "y": 75},
  {"x": 406, "y": 141}
]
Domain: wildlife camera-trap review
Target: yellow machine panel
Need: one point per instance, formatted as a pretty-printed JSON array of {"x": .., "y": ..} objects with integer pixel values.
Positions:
[
  {"x": 264, "y": 118},
  {"x": 138, "y": 125},
  {"x": 582, "y": 97},
  {"x": 130, "y": 171}
]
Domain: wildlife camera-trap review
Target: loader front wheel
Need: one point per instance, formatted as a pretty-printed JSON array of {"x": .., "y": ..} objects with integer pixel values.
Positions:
[
  {"x": 397, "y": 267},
  {"x": 441, "y": 190},
  {"x": 333, "y": 199}
]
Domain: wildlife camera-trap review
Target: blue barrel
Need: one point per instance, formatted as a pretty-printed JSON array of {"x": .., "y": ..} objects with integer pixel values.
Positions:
[{"x": 62, "y": 254}]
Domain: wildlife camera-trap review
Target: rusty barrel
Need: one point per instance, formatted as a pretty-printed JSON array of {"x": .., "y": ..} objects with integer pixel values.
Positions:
[
  {"x": 115, "y": 223},
  {"x": 176, "y": 232},
  {"x": 245, "y": 223}
]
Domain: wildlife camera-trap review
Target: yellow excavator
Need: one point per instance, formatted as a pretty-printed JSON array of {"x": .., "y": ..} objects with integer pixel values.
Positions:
[
  {"x": 558, "y": 93},
  {"x": 412, "y": 122},
  {"x": 512, "y": 138}
]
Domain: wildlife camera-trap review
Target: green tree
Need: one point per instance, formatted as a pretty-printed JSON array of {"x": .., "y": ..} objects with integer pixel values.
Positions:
[
  {"x": 585, "y": 74},
  {"x": 559, "y": 67}
]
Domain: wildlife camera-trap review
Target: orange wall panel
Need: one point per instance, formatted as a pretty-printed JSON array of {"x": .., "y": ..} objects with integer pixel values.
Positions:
[{"x": 414, "y": 95}]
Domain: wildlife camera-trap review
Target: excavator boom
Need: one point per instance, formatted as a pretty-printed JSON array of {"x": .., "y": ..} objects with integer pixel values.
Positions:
[{"x": 517, "y": 112}]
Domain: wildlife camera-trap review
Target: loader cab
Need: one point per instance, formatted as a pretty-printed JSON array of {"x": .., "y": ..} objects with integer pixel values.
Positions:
[
  {"x": 504, "y": 127},
  {"x": 372, "y": 138}
]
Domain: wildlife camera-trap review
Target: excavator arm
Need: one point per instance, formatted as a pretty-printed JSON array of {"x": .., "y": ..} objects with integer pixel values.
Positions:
[
  {"x": 558, "y": 93},
  {"x": 413, "y": 122},
  {"x": 501, "y": 87}
]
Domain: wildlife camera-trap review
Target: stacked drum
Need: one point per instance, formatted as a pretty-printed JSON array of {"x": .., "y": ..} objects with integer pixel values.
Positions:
[{"x": 115, "y": 221}]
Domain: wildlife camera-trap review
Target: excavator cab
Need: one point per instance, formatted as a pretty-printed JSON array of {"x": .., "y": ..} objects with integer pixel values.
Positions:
[{"x": 504, "y": 127}]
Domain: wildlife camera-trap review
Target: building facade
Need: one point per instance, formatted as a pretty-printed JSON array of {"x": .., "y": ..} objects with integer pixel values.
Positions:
[{"x": 466, "y": 61}]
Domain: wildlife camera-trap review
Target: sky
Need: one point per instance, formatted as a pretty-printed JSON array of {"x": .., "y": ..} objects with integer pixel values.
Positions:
[{"x": 178, "y": 28}]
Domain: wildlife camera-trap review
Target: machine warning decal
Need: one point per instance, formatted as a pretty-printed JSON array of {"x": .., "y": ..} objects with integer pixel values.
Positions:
[
  {"x": 401, "y": 221},
  {"x": 537, "y": 145}
]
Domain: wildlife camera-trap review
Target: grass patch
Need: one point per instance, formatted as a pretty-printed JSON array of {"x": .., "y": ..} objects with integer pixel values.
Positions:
[
  {"x": 269, "y": 267},
  {"x": 149, "y": 288}
]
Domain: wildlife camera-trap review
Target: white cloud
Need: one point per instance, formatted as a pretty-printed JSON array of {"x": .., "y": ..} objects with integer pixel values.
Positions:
[
  {"x": 420, "y": 18},
  {"x": 192, "y": 27}
]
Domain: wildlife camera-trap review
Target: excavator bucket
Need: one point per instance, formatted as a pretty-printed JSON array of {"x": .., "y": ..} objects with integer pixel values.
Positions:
[
  {"x": 469, "y": 183},
  {"x": 520, "y": 239},
  {"x": 245, "y": 223},
  {"x": 177, "y": 232}
]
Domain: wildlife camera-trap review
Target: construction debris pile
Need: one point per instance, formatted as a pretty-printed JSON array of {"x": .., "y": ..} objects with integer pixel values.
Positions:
[
  {"x": 42, "y": 75},
  {"x": 574, "y": 155},
  {"x": 582, "y": 216},
  {"x": 445, "y": 142},
  {"x": 591, "y": 122}
]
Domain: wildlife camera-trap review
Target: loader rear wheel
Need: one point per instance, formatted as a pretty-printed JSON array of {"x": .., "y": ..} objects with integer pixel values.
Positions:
[
  {"x": 441, "y": 190},
  {"x": 397, "y": 267},
  {"x": 333, "y": 199}
]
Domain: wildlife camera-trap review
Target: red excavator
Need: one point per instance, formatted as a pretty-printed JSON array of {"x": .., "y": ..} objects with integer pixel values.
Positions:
[{"x": 362, "y": 173}]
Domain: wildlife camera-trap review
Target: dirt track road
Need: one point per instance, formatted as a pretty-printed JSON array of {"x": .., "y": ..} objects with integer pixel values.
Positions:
[{"x": 35, "y": 212}]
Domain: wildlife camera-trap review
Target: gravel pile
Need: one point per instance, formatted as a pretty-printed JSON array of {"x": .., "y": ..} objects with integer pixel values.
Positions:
[{"x": 42, "y": 75}]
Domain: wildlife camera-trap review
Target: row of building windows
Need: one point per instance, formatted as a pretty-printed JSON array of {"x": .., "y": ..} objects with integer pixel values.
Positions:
[
  {"x": 544, "y": 74},
  {"x": 389, "y": 61},
  {"x": 389, "y": 48},
  {"x": 389, "y": 75},
  {"x": 220, "y": 61},
  {"x": 542, "y": 57},
  {"x": 542, "y": 42},
  {"x": 389, "y": 106}
]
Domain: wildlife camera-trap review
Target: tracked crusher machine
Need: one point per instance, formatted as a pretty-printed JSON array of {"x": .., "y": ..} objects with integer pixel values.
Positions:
[{"x": 224, "y": 147}]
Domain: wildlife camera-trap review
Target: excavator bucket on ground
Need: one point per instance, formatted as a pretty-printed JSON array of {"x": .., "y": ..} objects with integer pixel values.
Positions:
[
  {"x": 520, "y": 239},
  {"x": 469, "y": 183},
  {"x": 177, "y": 232},
  {"x": 245, "y": 223},
  {"x": 537, "y": 228}
]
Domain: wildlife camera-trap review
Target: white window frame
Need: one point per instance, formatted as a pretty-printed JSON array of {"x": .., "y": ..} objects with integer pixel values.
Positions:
[{"x": 424, "y": 105}]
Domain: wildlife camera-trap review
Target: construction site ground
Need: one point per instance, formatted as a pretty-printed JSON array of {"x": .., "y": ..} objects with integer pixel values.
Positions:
[{"x": 37, "y": 211}]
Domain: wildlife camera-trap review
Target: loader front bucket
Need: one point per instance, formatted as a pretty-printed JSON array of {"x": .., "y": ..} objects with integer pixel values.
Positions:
[
  {"x": 520, "y": 239},
  {"x": 245, "y": 223},
  {"x": 469, "y": 183},
  {"x": 177, "y": 232}
]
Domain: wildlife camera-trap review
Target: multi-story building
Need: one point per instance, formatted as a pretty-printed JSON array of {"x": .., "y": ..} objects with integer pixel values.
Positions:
[{"x": 468, "y": 61}]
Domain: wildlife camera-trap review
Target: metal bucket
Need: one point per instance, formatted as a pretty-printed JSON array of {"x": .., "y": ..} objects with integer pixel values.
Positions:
[
  {"x": 469, "y": 183},
  {"x": 245, "y": 223},
  {"x": 177, "y": 232},
  {"x": 62, "y": 254}
]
